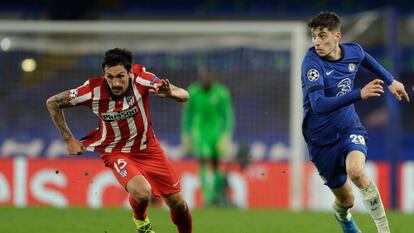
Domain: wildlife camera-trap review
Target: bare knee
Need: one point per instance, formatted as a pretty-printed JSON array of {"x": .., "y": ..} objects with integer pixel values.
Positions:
[
  {"x": 357, "y": 175},
  {"x": 139, "y": 188},
  {"x": 175, "y": 202},
  {"x": 347, "y": 200},
  {"x": 141, "y": 194}
]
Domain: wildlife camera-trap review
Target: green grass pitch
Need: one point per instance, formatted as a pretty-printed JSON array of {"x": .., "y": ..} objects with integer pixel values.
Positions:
[{"x": 115, "y": 220}]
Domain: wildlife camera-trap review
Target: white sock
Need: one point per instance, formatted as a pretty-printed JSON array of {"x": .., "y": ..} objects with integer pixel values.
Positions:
[
  {"x": 342, "y": 212},
  {"x": 373, "y": 203}
]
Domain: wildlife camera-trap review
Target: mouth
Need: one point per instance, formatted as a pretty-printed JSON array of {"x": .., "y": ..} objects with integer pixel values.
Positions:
[{"x": 117, "y": 91}]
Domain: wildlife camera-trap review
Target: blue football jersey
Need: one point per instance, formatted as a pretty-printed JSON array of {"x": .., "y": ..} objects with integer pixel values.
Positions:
[{"x": 333, "y": 81}]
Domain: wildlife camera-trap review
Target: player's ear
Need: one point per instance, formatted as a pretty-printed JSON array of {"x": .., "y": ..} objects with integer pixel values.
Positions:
[{"x": 338, "y": 36}]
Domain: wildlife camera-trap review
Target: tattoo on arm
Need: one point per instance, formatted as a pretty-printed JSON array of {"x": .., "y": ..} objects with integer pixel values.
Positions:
[{"x": 55, "y": 105}]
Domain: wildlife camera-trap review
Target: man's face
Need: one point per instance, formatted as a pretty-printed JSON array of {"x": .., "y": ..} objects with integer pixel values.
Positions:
[
  {"x": 325, "y": 41},
  {"x": 206, "y": 81},
  {"x": 117, "y": 78}
]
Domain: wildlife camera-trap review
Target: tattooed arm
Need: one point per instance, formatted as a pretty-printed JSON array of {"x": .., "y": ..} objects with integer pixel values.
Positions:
[{"x": 55, "y": 105}]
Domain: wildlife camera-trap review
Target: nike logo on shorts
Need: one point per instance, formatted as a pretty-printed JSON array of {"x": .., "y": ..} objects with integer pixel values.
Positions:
[{"x": 175, "y": 185}]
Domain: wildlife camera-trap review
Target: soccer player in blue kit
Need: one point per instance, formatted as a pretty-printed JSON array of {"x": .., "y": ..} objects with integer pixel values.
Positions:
[{"x": 335, "y": 137}]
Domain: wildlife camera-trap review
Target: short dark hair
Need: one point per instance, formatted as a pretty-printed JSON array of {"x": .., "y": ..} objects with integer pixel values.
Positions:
[
  {"x": 325, "y": 19},
  {"x": 117, "y": 56}
]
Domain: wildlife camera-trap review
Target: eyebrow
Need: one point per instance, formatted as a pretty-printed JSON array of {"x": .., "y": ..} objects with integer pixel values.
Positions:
[
  {"x": 115, "y": 74},
  {"x": 319, "y": 33}
]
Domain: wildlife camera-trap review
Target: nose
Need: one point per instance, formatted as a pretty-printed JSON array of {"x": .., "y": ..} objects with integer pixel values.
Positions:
[
  {"x": 316, "y": 42},
  {"x": 116, "y": 83}
]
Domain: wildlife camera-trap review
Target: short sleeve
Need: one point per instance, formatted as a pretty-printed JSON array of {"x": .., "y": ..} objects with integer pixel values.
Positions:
[
  {"x": 81, "y": 95},
  {"x": 312, "y": 75},
  {"x": 145, "y": 79}
]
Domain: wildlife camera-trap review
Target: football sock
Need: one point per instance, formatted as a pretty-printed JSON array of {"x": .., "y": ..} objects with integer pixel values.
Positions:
[
  {"x": 205, "y": 184},
  {"x": 342, "y": 212},
  {"x": 373, "y": 203},
  {"x": 182, "y": 219},
  {"x": 139, "y": 209},
  {"x": 218, "y": 185}
]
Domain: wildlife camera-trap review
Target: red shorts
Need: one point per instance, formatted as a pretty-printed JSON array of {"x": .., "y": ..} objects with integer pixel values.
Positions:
[{"x": 151, "y": 163}]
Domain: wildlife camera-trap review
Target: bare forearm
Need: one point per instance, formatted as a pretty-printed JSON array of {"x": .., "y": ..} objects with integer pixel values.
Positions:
[
  {"x": 179, "y": 94},
  {"x": 55, "y": 105}
]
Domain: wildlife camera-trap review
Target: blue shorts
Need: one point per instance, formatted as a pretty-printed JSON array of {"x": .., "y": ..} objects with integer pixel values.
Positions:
[{"x": 330, "y": 159}]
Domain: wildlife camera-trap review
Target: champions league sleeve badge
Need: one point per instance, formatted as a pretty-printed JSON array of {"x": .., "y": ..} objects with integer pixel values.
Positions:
[
  {"x": 73, "y": 93},
  {"x": 313, "y": 75}
]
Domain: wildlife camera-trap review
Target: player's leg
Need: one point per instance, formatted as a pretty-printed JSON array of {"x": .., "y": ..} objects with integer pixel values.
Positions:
[
  {"x": 355, "y": 166},
  {"x": 330, "y": 162},
  {"x": 140, "y": 195},
  {"x": 130, "y": 176},
  {"x": 164, "y": 181},
  {"x": 206, "y": 187},
  {"x": 344, "y": 200},
  {"x": 217, "y": 190},
  {"x": 203, "y": 151},
  {"x": 179, "y": 212}
]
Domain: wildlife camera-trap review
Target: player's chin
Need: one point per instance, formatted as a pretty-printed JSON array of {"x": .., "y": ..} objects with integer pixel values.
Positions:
[
  {"x": 117, "y": 92},
  {"x": 321, "y": 53}
]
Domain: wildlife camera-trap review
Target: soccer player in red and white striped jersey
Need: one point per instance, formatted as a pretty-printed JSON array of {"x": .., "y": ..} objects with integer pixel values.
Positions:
[{"x": 125, "y": 137}]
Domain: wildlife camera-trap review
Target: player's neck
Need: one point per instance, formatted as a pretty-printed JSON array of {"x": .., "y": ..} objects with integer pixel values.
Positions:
[{"x": 336, "y": 54}]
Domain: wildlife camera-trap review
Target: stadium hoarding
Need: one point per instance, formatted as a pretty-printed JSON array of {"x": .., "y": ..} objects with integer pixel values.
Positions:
[{"x": 86, "y": 182}]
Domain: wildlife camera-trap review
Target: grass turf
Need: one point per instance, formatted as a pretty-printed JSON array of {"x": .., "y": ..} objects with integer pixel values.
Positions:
[{"x": 115, "y": 220}]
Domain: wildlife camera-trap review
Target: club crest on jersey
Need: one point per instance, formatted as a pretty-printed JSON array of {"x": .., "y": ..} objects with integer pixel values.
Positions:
[
  {"x": 123, "y": 172},
  {"x": 73, "y": 93},
  {"x": 351, "y": 67},
  {"x": 313, "y": 75},
  {"x": 130, "y": 100}
]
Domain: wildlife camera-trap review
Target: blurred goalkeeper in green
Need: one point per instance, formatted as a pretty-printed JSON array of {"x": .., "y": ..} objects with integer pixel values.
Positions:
[{"x": 207, "y": 128}]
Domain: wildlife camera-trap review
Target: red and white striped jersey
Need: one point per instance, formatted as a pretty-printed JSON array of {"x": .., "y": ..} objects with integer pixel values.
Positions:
[{"x": 124, "y": 124}]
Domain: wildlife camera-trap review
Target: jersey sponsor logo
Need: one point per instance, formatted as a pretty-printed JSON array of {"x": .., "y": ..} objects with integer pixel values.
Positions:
[
  {"x": 116, "y": 116},
  {"x": 313, "y": 75},
  {"x": 329, "y": 72},
  {"x": 345, "y": 85},
  {"x": 73, "y": 93},
  {"x": 351, "y": 67}
]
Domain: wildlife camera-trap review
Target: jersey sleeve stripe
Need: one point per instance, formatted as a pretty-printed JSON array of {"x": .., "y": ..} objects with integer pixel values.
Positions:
[
  {"x": 144, "y": 82},
  {"x": 315, "y": 88},
  {"x": 81, "y": 99}
]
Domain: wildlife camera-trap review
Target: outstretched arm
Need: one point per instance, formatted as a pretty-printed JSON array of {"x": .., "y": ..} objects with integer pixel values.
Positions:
[
  {"x": 322, "y": 104},
  {"x": 166, "y": 89},
  {"x": 55, "y": 105},
  {"x": 398, "y": 90},
  {"x": 395, "y": 87}
]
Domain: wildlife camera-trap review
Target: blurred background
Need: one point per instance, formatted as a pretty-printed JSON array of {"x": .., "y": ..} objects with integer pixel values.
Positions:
[{"x": 254, "y": 48}]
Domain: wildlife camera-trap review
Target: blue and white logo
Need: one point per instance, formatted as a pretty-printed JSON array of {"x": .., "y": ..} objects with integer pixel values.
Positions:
[
  {"x": 351, "y": 67},
  {"x": 345, "y": 85}
]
